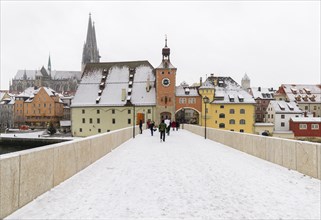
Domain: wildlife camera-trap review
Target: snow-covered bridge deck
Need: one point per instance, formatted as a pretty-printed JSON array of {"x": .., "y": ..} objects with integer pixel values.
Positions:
[{"x": 184, "y": 177}]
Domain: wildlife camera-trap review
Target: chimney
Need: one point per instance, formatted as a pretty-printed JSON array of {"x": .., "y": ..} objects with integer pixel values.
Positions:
[
  {"x": 200, "y": 81},
  {"x": 259, "y": 89}
]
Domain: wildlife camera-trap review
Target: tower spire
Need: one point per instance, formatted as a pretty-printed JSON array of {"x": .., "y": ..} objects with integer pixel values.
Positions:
[
  {"x": 90, "y": 51},
  {"x": 49, "y": 66}
]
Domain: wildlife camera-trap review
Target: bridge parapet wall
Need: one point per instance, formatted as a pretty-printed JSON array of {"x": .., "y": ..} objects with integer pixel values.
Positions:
[
  {"x": 25, "y": 175},
  {"x": 302, "y": 156}
]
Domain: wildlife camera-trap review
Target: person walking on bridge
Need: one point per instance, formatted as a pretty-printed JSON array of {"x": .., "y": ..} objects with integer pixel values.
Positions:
[{"x": 162, "y": 129}]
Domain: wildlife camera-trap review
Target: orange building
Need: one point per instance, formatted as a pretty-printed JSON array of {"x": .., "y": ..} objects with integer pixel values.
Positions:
[
  {"x": 38, "y": 107},
  {"x": 188, "y": 104}
]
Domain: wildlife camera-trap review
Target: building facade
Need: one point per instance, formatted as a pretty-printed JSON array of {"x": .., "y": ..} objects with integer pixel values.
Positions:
[
  {"x": 306, "y": 126},
  {"x": 6, "y": 110},
  {"x": 37, "y": 107},
  {"x": 280, "y": 112},
  {"x": 308, "y": 97},
  {"x": 262, "y": 97},
  {"x": 229, "y": 108}
]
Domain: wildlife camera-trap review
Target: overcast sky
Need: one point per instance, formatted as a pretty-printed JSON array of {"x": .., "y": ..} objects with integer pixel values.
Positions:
[{"x": 273, "y": 42}]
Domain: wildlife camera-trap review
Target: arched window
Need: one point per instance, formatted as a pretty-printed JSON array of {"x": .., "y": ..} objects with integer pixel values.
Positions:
[
  {"x": 242, "y": 111},
  {"x": 242, "y": 122},
  {"x": 232, "y": 122},
  {"x": 222, "y": 115},
  {"x": 232, "y": 111},
  {"x": 222, "y": 125}
]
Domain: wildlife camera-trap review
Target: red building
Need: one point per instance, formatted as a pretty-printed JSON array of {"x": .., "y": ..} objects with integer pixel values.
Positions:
[{"x": 306, "y": 126}]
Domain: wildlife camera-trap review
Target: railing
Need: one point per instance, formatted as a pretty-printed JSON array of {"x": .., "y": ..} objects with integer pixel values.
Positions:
[
  {"x": 25, "y": 175},
  {"x": 302, "y": 156}
]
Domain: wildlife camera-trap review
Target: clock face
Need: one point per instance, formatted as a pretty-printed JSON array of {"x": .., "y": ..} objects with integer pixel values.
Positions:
[{"x": 166, "y": 82}]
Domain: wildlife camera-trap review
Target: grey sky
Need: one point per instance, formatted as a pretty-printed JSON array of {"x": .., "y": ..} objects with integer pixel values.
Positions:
[{"x": 273, "y": 42}]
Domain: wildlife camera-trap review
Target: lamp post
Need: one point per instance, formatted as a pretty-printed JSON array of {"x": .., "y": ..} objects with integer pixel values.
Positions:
[
  {"x": 206, "y": 100},
  {"x": 133, "y": 121}
]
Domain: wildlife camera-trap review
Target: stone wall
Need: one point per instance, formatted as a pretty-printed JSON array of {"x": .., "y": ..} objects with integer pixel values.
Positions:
[
  {"x": 302, "y": 156},
  {"x": 25, "y": 175}
]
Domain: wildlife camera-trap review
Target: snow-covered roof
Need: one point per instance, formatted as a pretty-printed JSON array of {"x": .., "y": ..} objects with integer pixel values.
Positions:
[
  {"x": 186, "y": 91},
  {"x": 30, "y": 92},
  {"x": 236, "y": 95},
  {"x": 262, "y": 93},
  {"x": 285, "y": 107},
  {"x": 306, "y": 119},
  {"x": 117, "y": 81},
  {"x": 55, "y": 74},
  {"x": 303, "y": 93}
]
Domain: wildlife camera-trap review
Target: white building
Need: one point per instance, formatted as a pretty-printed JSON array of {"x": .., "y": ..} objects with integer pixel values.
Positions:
[{"x": 280, "y": 112}]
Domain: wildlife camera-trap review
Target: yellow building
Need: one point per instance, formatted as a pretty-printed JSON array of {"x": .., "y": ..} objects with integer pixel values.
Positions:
[
  {"x": 230, "y": 107},
  {"x": 88, "y": 121}
]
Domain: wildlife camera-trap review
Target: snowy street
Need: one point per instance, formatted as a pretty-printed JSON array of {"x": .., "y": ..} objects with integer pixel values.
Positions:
[{"x": 184, "y": 177}]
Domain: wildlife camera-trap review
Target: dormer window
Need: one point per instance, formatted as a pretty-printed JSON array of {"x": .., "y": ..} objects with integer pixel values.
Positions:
[
  {"x": 187, "y": 91},
  {"x": 241, "y": 98}
]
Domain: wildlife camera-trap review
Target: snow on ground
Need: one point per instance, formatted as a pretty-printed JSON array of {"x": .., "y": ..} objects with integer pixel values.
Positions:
[{"x": 185, "y": 177}]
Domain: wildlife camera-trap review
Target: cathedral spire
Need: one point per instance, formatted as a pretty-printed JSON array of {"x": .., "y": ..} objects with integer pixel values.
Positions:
[
  {"x": 90, "y": 51},
  {"x": 49, "y": 66}
]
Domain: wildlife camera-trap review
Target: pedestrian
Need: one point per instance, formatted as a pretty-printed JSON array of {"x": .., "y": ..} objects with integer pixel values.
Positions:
[
  {"x": 141, "y": 126},
  {"x": 177, "y": 125},
  {"x": 162, "y": 129},
  {"x": 148, "y": 123},
  {"x": 151, "y": 127},
  {"x": 168, "y": 125},
  {"x": 173, "y": 125}
]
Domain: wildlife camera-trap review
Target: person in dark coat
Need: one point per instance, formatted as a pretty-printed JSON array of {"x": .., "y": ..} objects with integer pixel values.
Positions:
[
  {"x": 177, "y": 125},
  {"x": 162, "y": 130},
  {"x": 151, "y": 127},
  {"x": 173, "y": 125},
  {"x": 141, "y": 126}
]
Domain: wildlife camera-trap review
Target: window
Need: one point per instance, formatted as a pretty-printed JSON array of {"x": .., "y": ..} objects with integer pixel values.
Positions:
[
  {"x": 222, "y": 115},
  {"x": 222, "y": 125},
  {"x": 129, "y": 111},
  {"x": 241, "y": 130},
  {"x": 242, "y": 111},
  {"x": 149, "y": 111},
  {"x": 114, "y": 120},
  {"x": 98, "y": 111},
  {"x": 232, "y": 111},
  {"x": 314, "y": 126},
  {"x": 314, "y": 107},
  {"x": 282, "y": 116},
  {"x": 282, "y": 124},
  {"x": 80, "y": 129},
  {"x": 306, "y": 107},
  {"x": 90, "y": 120},
  {"x": 222, "y": 106},
  {"x": 242, "y": 122},
  {"x": 44, "y": 105},
  {"x": 83, "y": 120},
  {"x": 113, "y": 111},
  {"x": 191, "y": 101},
  {"x": 232, "y": 122},
  {"x": 98, "y": 120},
  {"x": 129, "y": 121},
  {"x": 303, "y": 126},
  {"x": 182, "y": 100},
  {"x": 271, "y": 116},
  {"x": 99, "y": 130},
  {"x": 83, "y": 110}
]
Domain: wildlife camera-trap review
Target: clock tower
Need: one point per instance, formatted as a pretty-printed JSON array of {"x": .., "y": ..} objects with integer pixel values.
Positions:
[{"x": 165, "y": 87}]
